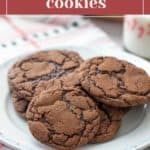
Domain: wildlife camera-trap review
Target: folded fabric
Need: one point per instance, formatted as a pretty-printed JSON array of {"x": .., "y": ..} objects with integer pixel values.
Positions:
[{"x": 19, "y": 35}]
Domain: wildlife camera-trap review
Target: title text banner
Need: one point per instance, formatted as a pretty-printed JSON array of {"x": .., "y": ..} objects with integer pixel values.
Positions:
[{"x": 86, "y": 7}]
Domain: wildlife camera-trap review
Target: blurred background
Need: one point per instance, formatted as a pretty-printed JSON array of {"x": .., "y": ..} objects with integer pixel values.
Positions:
[
  {"x": 113, "y": 26},
  {"x": 23, "y": 33}
]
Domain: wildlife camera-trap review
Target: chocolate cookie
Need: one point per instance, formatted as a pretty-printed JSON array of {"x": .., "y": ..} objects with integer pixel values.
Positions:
[
  {"x": 25, "y": 75},
  {"x": 109, "y": 124},
  {"x": 115, "y": 82},
  {"x": 70, "y": 80},
  {"x": 64, "y": 118},
  {"x": 110, "y": 117}
]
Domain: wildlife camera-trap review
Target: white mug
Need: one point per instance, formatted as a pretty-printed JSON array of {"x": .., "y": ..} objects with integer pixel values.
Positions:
[{"x": 136, "y": 34}]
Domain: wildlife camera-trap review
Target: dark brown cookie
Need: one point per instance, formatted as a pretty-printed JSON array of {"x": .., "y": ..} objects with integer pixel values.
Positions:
[
  {"x": 41, "y": 66},
  {"x": 110, "y": 117},
  {"x": 64, "y": 118},
  {"x": 115, "y": 82},
  {"x": 110, "y": 123},
  {"x": 20, "y": 105},
  {"x": 70, "y": 80}
]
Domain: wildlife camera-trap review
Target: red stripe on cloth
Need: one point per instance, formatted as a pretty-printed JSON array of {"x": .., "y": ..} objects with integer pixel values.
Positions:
[
  {"x": 1, "y": 145},
  {"x": 20, "y": 31}
]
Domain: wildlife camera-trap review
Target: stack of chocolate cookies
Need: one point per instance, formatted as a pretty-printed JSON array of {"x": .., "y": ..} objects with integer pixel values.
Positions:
[{"x": 69, "y": 102}]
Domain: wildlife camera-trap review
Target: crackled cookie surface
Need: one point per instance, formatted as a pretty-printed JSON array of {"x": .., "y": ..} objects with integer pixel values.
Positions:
[
  {"x": 115, "y": 82},
  {"x": 41, "y": 66},
  {"x": 63, "y": 118},
  {"x": 70, "y": 80},
  {"x": 110, "y": 123},
  {"x": 110, "y": 117}
]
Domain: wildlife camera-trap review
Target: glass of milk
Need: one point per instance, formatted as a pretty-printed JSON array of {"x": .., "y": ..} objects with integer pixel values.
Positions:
[{"x": 136, "y": 34}]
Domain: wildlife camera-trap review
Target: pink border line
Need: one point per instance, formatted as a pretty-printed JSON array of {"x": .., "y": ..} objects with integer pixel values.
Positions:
[
  {"x": 143, "y": 7},
  {"x": 6, "y": 6}
]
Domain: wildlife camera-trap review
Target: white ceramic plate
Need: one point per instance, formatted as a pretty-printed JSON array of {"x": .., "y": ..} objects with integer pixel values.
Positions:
[{"x": 133, "y": 135}]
